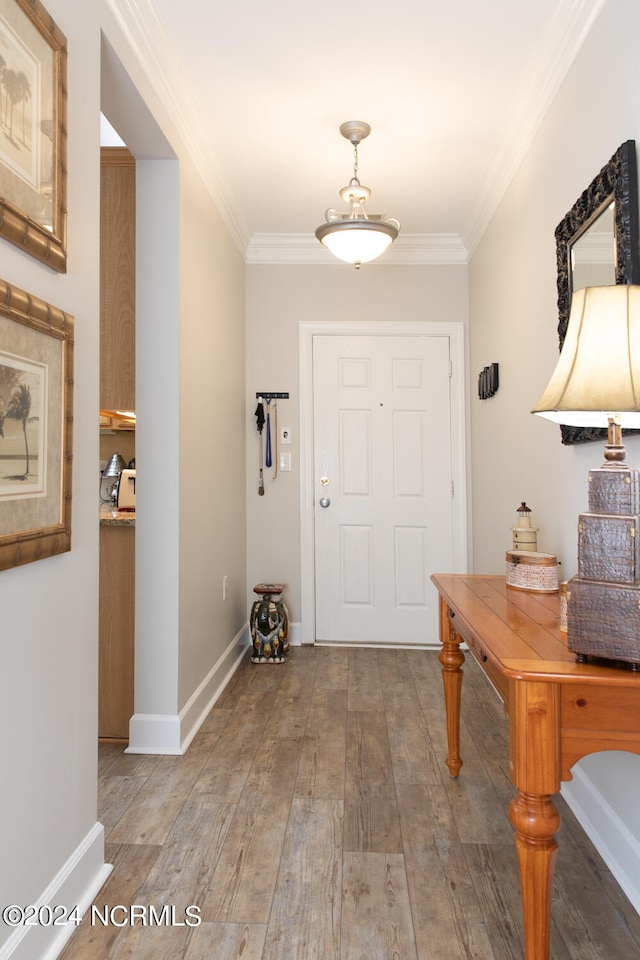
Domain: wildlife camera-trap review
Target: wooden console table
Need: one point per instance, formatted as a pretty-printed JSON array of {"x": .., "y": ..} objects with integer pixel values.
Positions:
[{"x": 559, "y": 711}]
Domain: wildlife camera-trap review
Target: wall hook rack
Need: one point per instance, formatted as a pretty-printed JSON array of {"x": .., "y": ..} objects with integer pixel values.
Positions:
[{"x": 271, "y": 395}]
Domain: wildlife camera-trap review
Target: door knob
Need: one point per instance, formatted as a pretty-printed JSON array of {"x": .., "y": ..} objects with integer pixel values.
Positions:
[{"x": 325, "y": 501}]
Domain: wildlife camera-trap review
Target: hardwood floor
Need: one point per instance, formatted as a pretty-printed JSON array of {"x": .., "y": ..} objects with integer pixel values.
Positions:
[{"x": 313, "y": 818}]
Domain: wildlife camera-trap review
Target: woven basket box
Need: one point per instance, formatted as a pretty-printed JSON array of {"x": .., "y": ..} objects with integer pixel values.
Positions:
[
  {"x": 608, "y": 548},
  {"x": 604, "y": 619},
  {"x": 528, "y": 570}
]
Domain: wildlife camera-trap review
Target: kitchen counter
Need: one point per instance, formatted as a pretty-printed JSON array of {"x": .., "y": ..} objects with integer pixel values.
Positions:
[{"x": 112, "y": 517}]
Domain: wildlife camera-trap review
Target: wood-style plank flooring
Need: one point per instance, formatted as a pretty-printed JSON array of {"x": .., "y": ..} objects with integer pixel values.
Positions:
[{"x": 313, "y": 818}]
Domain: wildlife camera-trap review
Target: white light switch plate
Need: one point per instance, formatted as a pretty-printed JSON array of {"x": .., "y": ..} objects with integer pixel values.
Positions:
[
  {"x": 285, "y": 462},
  {"x": 285, "y": 435}
]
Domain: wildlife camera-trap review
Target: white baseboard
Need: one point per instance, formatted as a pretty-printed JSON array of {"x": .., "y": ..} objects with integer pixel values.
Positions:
[
  {"x": 171, "y": 734},
  {"x": 609, "y": 834},
  {"x": 77, "y": 883},
  {"x": 195, "y": 710}
]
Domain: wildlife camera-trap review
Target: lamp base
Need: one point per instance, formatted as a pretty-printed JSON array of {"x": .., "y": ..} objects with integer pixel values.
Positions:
[
  {"x": 614, "y": 491},
  {"x": 603, "y": 600},
  {"x": 615, "y": 454},
  {"x": 604, "y": 620}
]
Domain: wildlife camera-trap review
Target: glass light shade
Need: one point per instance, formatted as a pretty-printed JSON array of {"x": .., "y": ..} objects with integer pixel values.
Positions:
[
  {"x": 357, "y": 241},
  {"x": 598, "y": 373}
]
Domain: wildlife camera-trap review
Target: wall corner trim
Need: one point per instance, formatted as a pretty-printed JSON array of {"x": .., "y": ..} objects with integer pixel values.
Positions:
[{"x": 154, "y": 733}]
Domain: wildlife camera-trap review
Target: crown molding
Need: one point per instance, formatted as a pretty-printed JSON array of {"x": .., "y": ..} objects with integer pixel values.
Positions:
[
  {"x": 409, "y": 249},
  {"x": 147, "y": 38},
  {"x": 565, "y": 34}
]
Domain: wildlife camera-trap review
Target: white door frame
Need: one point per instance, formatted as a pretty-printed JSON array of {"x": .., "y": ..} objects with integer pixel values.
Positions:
[{"x": 370, "y": 328}]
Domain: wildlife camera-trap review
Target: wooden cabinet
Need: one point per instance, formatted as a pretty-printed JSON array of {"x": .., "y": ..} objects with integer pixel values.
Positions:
[
  {"x": 117, "y": 279},
  {"x": 117, "y": 392},
  {"x": 117, "y": 630}
]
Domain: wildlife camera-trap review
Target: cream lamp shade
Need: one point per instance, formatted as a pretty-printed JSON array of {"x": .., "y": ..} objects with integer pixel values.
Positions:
[{"x": 597, "y": 377}]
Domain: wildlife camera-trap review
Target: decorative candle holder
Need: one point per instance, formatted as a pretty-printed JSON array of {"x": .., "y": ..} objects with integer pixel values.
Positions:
[{"x": 563, "y": 606}]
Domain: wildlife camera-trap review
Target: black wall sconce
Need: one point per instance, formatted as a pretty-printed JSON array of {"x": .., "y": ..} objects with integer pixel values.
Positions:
[{"x": 488, "y": 382}]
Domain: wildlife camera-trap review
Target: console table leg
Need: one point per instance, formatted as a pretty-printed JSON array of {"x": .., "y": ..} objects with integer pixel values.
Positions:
[
  {"x": 451, "y": 658},
  {"x": 536, "y": 821}
]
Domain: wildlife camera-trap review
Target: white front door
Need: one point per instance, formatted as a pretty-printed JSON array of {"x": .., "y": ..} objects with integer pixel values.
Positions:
[{"x": 382, "y": 486}]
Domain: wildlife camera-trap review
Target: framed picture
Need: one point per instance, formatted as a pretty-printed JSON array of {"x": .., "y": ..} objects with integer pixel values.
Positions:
[
  {"x": 36, "y": 428},
  {"x": 33, "y": 132}
]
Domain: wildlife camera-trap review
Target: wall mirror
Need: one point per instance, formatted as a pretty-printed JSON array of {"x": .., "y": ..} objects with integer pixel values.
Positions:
[{"x": 597, "y": 244}]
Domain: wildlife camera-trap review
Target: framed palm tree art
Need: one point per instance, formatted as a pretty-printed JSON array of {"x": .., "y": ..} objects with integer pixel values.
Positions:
[
  {"x": 36, "y": 428},
  {"x": 33, "y": 132}
]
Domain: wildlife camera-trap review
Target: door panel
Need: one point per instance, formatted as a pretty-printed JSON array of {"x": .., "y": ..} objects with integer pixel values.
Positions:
[
  {"x": 410, "y": 566},
  {"x": 355, "y": 453},
  {"x": 382, "y": 462},
  {"x": 408, "y": 447},
  {"x": 356, "y": 562}
]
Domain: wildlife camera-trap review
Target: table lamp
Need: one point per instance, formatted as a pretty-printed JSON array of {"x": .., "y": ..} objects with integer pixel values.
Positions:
[{"x": 597, "y": 383}]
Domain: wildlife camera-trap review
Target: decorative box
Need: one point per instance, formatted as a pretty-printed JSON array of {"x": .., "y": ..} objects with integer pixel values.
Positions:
[
  {"x": 527, "y": 570},
  {"x": 608, "y": 548},
  {"x": 603, "y": 600},
  {"x": 614, "y": 491},
  {"x": 604, "y": 620}
]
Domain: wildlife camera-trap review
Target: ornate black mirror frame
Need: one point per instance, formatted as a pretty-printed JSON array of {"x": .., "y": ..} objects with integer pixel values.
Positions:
[{"x": 617, "y": 182}]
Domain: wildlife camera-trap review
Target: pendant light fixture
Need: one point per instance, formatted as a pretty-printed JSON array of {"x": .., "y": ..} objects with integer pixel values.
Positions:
[{"x": 357, "y": 236}]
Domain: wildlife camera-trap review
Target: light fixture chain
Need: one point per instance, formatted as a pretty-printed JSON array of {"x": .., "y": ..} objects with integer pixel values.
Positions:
[{"x": 355, "y": 163}]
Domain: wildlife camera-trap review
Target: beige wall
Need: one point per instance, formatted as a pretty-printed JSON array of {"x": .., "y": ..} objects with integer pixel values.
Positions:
[
  {"x": 212, "y": 440},
  {"x": 279, "y": 298},
  {"x": 513, "y": 320},
  {"x": 513, "y": 311},
  {"x": 190, "y": 443},
  {"x": 190, "y": 431},
  {"x": 48, "y": 681}
]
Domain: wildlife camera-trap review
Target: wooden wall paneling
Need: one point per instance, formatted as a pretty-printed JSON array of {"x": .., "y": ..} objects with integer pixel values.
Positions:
[
  {"x": 117, "y": 630},
  {"x": 117, "y": 279}
]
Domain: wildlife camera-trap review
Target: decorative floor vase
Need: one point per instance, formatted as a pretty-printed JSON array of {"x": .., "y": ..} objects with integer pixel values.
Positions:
[{"x": 269, "y": 623}]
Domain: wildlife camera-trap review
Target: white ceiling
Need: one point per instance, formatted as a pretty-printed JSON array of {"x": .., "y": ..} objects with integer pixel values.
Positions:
[{"x": 453, "y": 93}]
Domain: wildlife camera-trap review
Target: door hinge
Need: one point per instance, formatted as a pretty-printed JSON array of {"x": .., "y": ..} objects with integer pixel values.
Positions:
[
  {"x": 453, "y": 489},
  {"x": 450, "y": 369}
]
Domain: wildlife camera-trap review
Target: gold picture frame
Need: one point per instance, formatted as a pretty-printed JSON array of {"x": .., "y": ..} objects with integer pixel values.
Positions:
[
  {"x": 36, "y": 428},
  {"x": 33, "y": 132}
]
